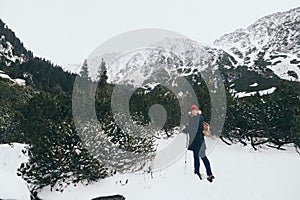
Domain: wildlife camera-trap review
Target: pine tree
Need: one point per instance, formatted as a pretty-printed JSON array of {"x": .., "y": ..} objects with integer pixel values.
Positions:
[
  {"x": 284, "y": 120},
  {"x": 271, "y": 119},
  {"x": 296, "y": 128},
  {"x": 84, "y": 72},
  {"x": 57, "y": 157},
  {"x": 102, "y": 73}
]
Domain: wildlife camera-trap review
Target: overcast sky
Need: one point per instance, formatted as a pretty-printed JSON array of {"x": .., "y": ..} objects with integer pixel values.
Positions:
[{"x": 67, "y": 31}]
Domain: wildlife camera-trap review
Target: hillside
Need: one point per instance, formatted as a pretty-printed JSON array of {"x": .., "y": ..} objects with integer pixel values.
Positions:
[
  {"x": 12, "y": 50},
  {"x": 270, "y": 46},
  {"x": 18, "y": 62}
]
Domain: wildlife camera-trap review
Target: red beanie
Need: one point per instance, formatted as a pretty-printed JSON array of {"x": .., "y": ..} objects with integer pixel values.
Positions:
[{"x": 194, "y": 107}]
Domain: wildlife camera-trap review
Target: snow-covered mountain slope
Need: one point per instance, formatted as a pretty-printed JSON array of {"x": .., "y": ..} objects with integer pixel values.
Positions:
[
  {"x": 11, "y": 185},
  {"x": 7, "y": 54},
  {"x": 72, "y": 68},
  {"x": 157, "y": 63},
  {"x": 271, "y": 42},
  {"x": 278, "y": 32},
  {"x": 265, "y": 52},
  {"x": 161, "y": 62},
  {"x": 12, "y": 50},
  {"x": 241, "y": 173}
]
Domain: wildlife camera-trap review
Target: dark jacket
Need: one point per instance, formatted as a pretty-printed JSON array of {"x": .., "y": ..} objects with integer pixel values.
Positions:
[{"x": 196, "y": 138}]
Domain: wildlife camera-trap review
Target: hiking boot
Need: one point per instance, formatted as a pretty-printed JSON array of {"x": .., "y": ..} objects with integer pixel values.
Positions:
[
  {"x": 210, "y": 178},
  {"x": 197, "y": 173}
]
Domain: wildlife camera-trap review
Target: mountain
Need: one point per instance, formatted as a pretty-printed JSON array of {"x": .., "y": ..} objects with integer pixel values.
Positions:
[
  {"x": 12, "y": 50},
  {"x": 253, "y": 59},
  {"x": 161, "y": 62},
  {"x": 270, "y": 43},
  {"x": 18, "y": 63},
  {"x": 158, "y": 63},
  {"x": 72, "y": 68}
]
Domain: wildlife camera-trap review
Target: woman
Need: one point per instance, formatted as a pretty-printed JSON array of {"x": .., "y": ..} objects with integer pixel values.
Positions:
[{"x": 197, "y": 142}]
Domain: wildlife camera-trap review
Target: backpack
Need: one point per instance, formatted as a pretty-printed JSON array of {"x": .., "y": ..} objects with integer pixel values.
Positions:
[{"x": 206, "y": 129}]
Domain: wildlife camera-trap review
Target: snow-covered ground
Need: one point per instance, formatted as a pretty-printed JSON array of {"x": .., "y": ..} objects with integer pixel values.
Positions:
[
  {"x": 11, "y": 185},
  {"x": 248, "y": 94},
  {"x": 241, "y": 173},
  {"x": 18, "y": 81}
]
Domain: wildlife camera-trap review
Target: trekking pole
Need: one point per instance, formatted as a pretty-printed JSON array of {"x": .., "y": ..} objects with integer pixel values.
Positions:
[
  {"x": 185, "y": 156},
  {"x": 185, "y": 162}
]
